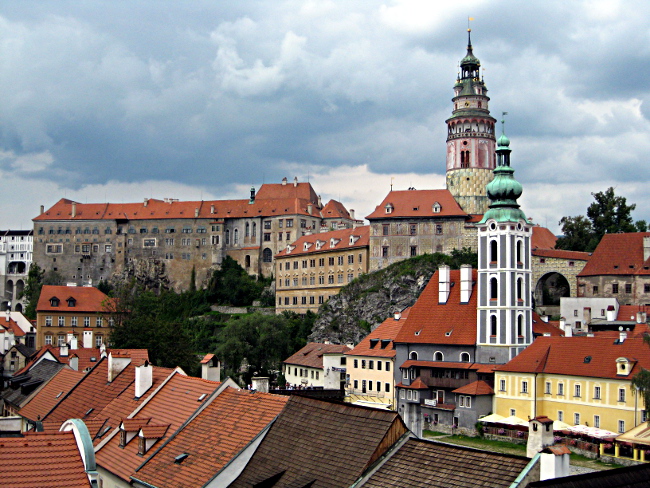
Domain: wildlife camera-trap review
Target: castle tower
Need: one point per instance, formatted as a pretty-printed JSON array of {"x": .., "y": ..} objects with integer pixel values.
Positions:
[
  {"x": 504, "y": 312},
  {"x": 470, "y": 137}
]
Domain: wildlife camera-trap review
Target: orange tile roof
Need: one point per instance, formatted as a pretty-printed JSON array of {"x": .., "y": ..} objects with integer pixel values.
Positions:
[
  {"x": 416, "y": 384},
  {"x": 154, "y": 431},
  {"x": 418, "y": 203},
  {"x": 618, "y": 254},
  {"x": 379, "y": 343},
  {"x": 430, "y": 322},
  {"x": 88, "y": 299},
  {"x": 312, "y": 354},
  {"x": 561, "y": 254},
  {"x": 628, "y": 312},
  {"x": 172, "y": 404},
  {"x": 11, "y": 326},
  {"x": 438, "y": 364},
  {"x": 212, "y": 439},
  {"x": 334, "y": 210},
  {"x": 479, "y": 387},
  {"x": 45, "y": 460},
  {"x": 274, "y": 191},
  {"x": 50, "y": 394},
  {"x": 542, "y": 238},
  {"x": 566, "y": 356},
  {"x": 541, "y": 327},
  {"x": 207, "y": 358},
  {"x": 342, "y": 238}
]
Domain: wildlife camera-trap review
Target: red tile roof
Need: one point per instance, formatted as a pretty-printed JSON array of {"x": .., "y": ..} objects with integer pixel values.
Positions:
[
  {"x": 416, "y": 384},
  {"x": 48, "y": 396},
  {"x": 431, "y": 322},
  {"x": 418, "y": 203},
  {"x": 212, "y": 439},
  {"x": 88, "y": 299},
  {"x": 542, "y": 238},
  {"x": 11, "y": 326},
  {"x": 207, "y": 358},
  {"x": 541, "y": 327},
  {"x": 479, "y": 387},
  {"x": 561, "y": 254},
  {"x": 154, "y": 431},
  {"x": 567, "y": 356},
  {"x": 343, "y": 239},
  {"x": 172, "y": 404},
  {"x": 438, "y": 364},
  {"x": 334, "y": 210},
  {"x": 33, "y": 359},
  {"x": 379, "y": 343},
  {"x": 618, "y": 254},
  {"x": 44, "y": 460},
  {"x": 312, "y": 354}
]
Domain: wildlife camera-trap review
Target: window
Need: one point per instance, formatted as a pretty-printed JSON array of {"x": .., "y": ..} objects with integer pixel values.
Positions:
[
  {"x": 108, "y": 248},
  {"x": 61, "y": 321},
  {"x": 330, "y": 261},
  {"x": 413, "y": 229},
  {"x": 340, "y": 260},
  {"x": 615, "y": 288},
  {"x": 267, "y": 255},
  {"x": 330, "y": 279},
  {"x": 502, "y": 385},
  {"x": 513, "y": 412},
  {"x": 597, "y": 421},
  {"x": 99, "y": 340},
  {"x": 73, "y": 321},
  {"x": 628, "y": 288},
  {"x": 99, "y": 321},
  {"x": 560, "y": 389},
  {"x": 267, "y": 224},
  {"x": 621, "y": 426},
  {"x": 48, "y": 321},
  {"x": 548, "y": 388},
  {"x": 494, "y": 290},
  {"x": 438, "y": 356},
  {"x": 595, "y": 289},
  {"x": 86, "y": 321},
  {"x": 321, "y": 261},
  {"x": 289, "y": 223},
  {"x": 267, "y": 237},
  {"x": 385, "y": 229},
  {"x": 61, "y": 340},
  {"x": 414, "y": 251},
  {"x": 621, "y": 394},
  {"x": 321, "y": 280},
  {"x": 384, "y": 252},
  {"x": 524, "y": 386},
  {"x": 236, "y": 236},
  {"x": 493, "y": 325},
  {"x": 363, "y": 364},
  {"x": 597, "y": 393},
  {"x": 577, "y": 391},
  {"x": 387, "y": 387},
  {"x": 149, "y": 243},
  {"x": 576, "y": 419},
  {"x": 371, "y": 364},
  {"x": 646, "y": 288},
  {"x": 48, "y": 340},
  {"x": 351, "y": 259},
  {"x": 378, "y": 365},
  {"x": 387, "y": 367}
]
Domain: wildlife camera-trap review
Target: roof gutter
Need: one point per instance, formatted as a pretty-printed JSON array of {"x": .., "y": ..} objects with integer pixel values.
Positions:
[{"x": 526, "y": 471}]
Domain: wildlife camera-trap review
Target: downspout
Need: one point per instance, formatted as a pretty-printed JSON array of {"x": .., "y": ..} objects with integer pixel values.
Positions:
[{"x": 535, "y": 396}]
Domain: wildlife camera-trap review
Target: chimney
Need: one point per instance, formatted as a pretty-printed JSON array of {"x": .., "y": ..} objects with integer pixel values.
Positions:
[
  {"x": 284, "y": 181},
  {"x": 42, "y": 208},
  {"x": 586, "y": 316},
  {"x": 540, "y": 435},
  {"x": 102, "y": 350},
  {"x": 212, "y": 208},
  {"x": 211, "y": 368},
  {"x": 73, "y": 343},
  {"x": 74, "y": 209},
  {"x": 611, "y": 313},
  {"x": 320, "y": 202},
  {"x": 295, "y": 181},
  {"x": 196, "y": 212},
  {"x": 146, "y": 202},
  {"x": 252, "y": 199},
  {"x": 443, "y": 284},
  {"x": 641, "y": 317},
  {"x": 260, "y": 384},
  {"x": 646, "y": 248},
  {"x": 398, "y": 315},
  {"x": 73, "y": 362},
  {"x": 622, "y": 335},
  {"x": 143, "y": 379},
  {"x": 63, "y": 351},
  {"x": 88, "y": 339},
  {"x": 465, "y": 283},
  {"x": 116, "y": 365},
  {"x": 351, "y": 211},
  {"x": 309, "y": 208},
  {"x": 544, "y": 318}
]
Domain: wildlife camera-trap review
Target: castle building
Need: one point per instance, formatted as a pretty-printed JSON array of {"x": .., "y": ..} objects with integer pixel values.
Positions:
[
  {"x": 15, "y": 259},
  {"x": 163, "y": 240}
]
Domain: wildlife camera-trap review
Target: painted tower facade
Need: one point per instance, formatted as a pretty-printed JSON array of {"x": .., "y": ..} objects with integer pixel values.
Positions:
[
  {"x": 504, "y": 321},
  {"x": 470, "y": 138}
]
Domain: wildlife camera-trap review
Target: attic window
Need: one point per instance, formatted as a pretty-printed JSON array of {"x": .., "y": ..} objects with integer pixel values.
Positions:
[
  {"x": 373, "y": 343},
  {"x": 385, "y": 343},
  {"x": 88, "y": 412},
  {"x": 180, "y": 458},
  {"x": 306, "y": 246},
  {"x": 72, "y": 302},
  {"x": 319, "y": 244},
  {"x": 448, "y": 333},
  {"x": 54, "y": 302},
  {"x": 334, "y": 242},
  {"x": 203, "y": 395},
  {"x": 389, "y": 208},
  {"x": 354, "y": 239},
  {"x": 436, "y": 207},
  {"x": 60, "y": 393},
  {"x": 418, "y": 332},
  {"x": 415, "y": 209},
  {"x": 587, "y": 359}
]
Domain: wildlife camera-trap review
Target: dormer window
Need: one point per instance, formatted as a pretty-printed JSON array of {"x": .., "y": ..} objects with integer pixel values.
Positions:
[
  {"x": 436, "y": 207},
  {"x": 334, "y": 242},
  {"x": 389, "y": 208},
  {"x": 54, "y": 302},
  {"x": 354, "y": 239},
  {"x": 623, "y": 366},
  {"x": 72, "y": 302},
  {"x": 319, "y": 244},
  {"x": 306, "y": 246}
]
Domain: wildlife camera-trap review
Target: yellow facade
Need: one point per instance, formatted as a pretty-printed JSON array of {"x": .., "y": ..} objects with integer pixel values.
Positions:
[
  {"x": 371, "y": 379},
  {"x": 609, "y": 404}
]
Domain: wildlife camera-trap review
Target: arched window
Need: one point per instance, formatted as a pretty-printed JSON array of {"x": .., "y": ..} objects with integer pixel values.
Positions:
[
  {"x": 494, "y": 251},
  {"x": 438, "y": 356},
  {"x": 247, "y": 261},
  {"x": 248, "y": 228},
  {"x": 493, "y": 325},
  {"x": 520, "y": 325},
  {"x": 519, "y": 252},
  {"x": 464, "y": 357},
  {"x": 494, "y": 289},
  {"x": 236, "y": 236},
  {"x": 227, "y": 236},
  {"x": 254, "y": 229},
  {"x": 413, "y": 355},
  {"x": 267, "y": 255},
  {"x": 520, "y": 289}
]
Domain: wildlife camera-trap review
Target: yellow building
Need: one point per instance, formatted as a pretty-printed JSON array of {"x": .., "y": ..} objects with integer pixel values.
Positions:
[
  {"x": 315, "y": 267},
  {"x": 578, "y": 380}
]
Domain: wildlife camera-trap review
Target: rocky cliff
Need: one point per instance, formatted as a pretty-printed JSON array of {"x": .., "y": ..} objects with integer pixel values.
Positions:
[{"x": 370, "y": 299}]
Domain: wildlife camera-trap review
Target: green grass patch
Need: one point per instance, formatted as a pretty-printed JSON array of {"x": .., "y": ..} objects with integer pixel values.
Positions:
[{"x": 432, "y": 433}]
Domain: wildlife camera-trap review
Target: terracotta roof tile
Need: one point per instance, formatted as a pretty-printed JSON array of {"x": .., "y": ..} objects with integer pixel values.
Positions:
[
  {"x": 206, "y": 359},
  {"x": 344, "y": 239},
  {"x": 541, "y": 327},
  {"x": 88, "y": 299},
  {"x": 562, "y": 254},
  {"x": 232, "y": 420},
  {"x": 418, "y": 203},
  {"x": 154, "y": 431},
  {"x": 334, "y": 210},
  {"x": 11, "y": 326},
  {"x": 45, "y": 460},
  {"x": 479, "y": 387},
  {"x": 22, "y": 386},
  {"x": 416, "y": 384},
  {"x": 379, "y": 343},
  {"x": 49, "y": 395},
  {"x": 618, "y": 254},
  {"x": 312, "y": 354},
  {"x": 431, "y": 322},
  {"x": 542, "y": 238}
]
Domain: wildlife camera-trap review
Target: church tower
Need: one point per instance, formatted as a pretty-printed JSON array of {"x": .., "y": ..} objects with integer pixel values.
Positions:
[
  {"x": 504, "y": 312},
  {"x": 470, "y": 137}
]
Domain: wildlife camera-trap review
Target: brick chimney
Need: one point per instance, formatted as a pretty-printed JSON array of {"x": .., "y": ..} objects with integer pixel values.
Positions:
[{"x": 444, "y": 287}]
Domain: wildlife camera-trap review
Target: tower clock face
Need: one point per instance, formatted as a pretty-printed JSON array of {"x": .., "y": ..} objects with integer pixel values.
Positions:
[{"x": 467, "y": 104}]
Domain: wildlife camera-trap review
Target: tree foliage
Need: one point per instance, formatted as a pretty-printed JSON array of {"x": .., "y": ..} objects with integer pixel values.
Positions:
[
  {"x": 231, "y": 285},
  {"x": 608, "y": 214},
  {"x": 36, "y": 278},
  {"x": 641, "y": 381}
]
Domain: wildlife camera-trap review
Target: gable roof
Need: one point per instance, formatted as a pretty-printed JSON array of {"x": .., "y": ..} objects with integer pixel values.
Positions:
[
  {"x": 46, "y": 460},
  {"x": 418, "y": 203},
  {"x": 172, "y": 405},
  {"x": 23, "y": 385},
  {"x": 624, "y": 477},
  {"x": 429, "y": 464},
  {"x": 561, "y": 254},
  {"x": 11, "y": 325},
  {"x": 311, "y": 355},
  {"x": 618, "y": 254},
  {"x": 88, "y": 299},
  {"x": 542, "y": 238},
  {"x": 379, "y": 343},
  {"x": 431, "y": 322},
  {"x": 334, "y": 210},
  {"x": 343, "y": 239},
  {"x": 566, "y": 356},
  {"x": 478, "y": 387},
  {"x": 43, "y": 401},
  {"x": 232, "y": 420},
  {"x": 325, "y": 444}
]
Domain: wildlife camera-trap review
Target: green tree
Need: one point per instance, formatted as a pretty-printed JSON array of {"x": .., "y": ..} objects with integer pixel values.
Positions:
[
  {"x": 641, "y": 381},
  {"x": 577, "y": 234},
  {"x": 231, "y": 285},
  {"x": 32, "y": 290}
]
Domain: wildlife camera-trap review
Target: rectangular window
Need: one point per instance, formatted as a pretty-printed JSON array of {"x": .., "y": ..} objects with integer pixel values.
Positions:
[
  {"x": 502, "y": 385},
  {"x": 621, "y": 394},
  {"x": 371, "y": 364},
  {"x": 560, "y": 415},
  {"x": 387, "y": 366},
  {"x": 321, "y": 299},
  {"x": 413, "y": 229},
  {"x": 628, "y": 288},
  {"x": 378, "y": 365},
  {"x": 330, "y": 261},
  {"x": 615, "y": 288},
  {"x": 61, "y": 321},
  {"x": 303, "y": 300},
  {"x": 548, "y": 388},
  {"x": 48, "y": 340},
  {"x": 321, "y": 261},
  {"x": 351, "y": 259},
  {"x": 295, "y": 300},
  {"x": 385, "y": 229},
  {"x": 621, "y": 426},
  {"x": 524, "y": 386},
  {"x": 267, "y": 237},
  {"x": 384, "y": 252},
  {"x": 513, "y": 412},
  {"x": 148, "y": 242},
  {"x": 577, "y": 390},
  {"x": 597, "y": 421},
  {"x": 312, "y": 263},
  {"x": 61, "y": 340},
  {"x": 267, "y": 224},
  {"x": 387, "y": 387},
  {"x": 48, "y": 321},
  {"x": 646, "y": 288},
  {"x": 86, "y": 321},
  {"x": 295, "y": 265},
  {"x": 289, "y": 223},
  {"x": 414, "y": 251},
  {"x": 73, "y": 321},
  {"x": 279, "y": 236},
  {"x": 597, "y": 393},
  {"x": 311, "y": 300},
  {"x": 99, "y": 322},
  {"x": 321, "y": 280},
  {"x": 595, "y": 289},
  {"x": 356, "y": 363},
  {"x": 330, "y": 279},
  {"x": 340, "y": 260},
  {"x": 438, "y": 229},
  {"x": 99, "y": 340},
  {"x": 340, "y": 278},
  {"x": 560, "y": 389},
  {"x": 363, "y": 364},
  {"x": 576, "y": 419},
  {"x": 312, "y": 280}
]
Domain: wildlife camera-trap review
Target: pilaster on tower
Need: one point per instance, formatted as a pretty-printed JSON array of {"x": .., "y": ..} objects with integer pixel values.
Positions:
[{"x": 470, "y": 137}]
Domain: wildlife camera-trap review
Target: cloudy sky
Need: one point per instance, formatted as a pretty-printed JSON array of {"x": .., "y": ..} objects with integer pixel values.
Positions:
[{"x": 121, "y": 100}]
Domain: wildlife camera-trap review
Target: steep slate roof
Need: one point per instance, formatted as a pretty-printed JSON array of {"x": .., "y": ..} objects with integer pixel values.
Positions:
[
  {"x": 311, "y": 355},
  {"x": 435, "y": 323},
  {"x": 212, "y": 439},
  {"x": 297, "y": 248},
  {"x": 88, "y": 299},
  {"x": 418, "y": 204},
  {"x": 626, "y": 477},
  {"x": 429, "y": 464},
  {"x": 542, "y": 238},
  {"x": 22, "y": 386},
  {"x": 479, "y": 387},
  {"x": 618, "y": 254},
  {"x": 326, "y": 444},
  {"x": 566, "y": 356},
  {"x": 171, "y": 405},
  {"x": 42, "y": 459},
  {"x": 372, "y": 344},
  {"x": 43, "y": 401}
]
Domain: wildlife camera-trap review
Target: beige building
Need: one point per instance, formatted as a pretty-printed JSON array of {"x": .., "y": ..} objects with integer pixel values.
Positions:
[
  {"x": 315, "y": 267},
  {"x": 371, "y": 366},
  {"x": 305, "y": 368},
  {"x": 72, "y": 314}
]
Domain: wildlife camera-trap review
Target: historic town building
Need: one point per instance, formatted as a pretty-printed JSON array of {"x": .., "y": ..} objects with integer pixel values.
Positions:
[
  {"x": 15, "y": 259},
  {"x": 166, "y": 239}
]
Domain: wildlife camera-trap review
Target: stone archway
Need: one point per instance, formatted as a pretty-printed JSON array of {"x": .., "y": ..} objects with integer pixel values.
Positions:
[{"x": 550, "y": 288}]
